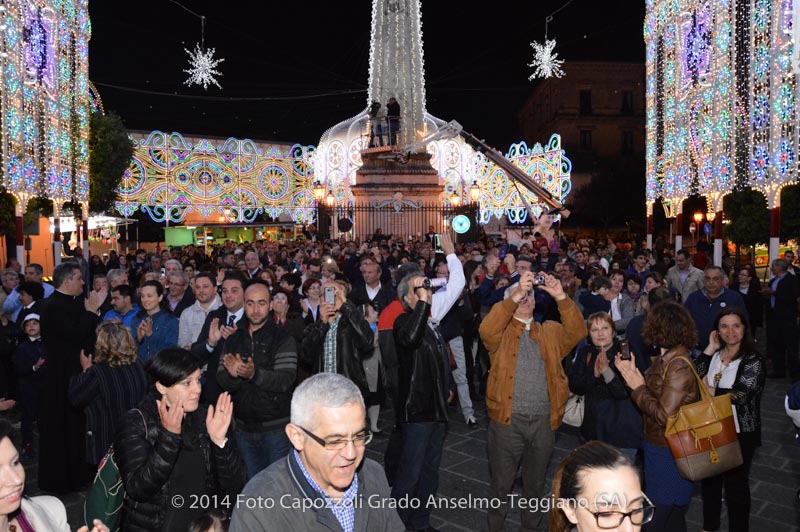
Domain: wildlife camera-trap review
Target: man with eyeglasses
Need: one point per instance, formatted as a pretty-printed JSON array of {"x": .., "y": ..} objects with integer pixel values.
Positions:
[
  {"x": 706, "y": 303},
  {"x": 179, "y": 298},
  {"x": 325, "y": 483},
  {"x": 259, "y": 369},
  {"x": 526, "y": 392}
]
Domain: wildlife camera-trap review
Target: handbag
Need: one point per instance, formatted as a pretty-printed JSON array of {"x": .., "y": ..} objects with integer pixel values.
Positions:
[
  {"x": 573, "y": 411},
  {"x": 575, "y": 406},
  {"x": 105, "y": 496},
  {"x": 702, "y": 436}
]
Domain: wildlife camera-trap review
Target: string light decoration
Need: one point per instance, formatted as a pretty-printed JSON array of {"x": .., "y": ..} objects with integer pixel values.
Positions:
[
  {"x": 545, "y": 62},
  {"x": 721, "y": 97},
  {"x": 397, "y": 69},
  {"x": 46, "y": 103},
  {"x": 202, "y": 65},
  {"x": 171, "y": 177},
  {"x": 548, "y": 166}
]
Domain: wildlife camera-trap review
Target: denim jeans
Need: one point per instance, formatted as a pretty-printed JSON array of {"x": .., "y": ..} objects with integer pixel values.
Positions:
[
  {"x": 418, "y": 476},
  {"x": 260, "y": 449}
]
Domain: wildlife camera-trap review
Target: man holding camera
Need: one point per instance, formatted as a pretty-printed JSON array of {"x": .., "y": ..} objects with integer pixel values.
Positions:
[
  {"x": 423, "y": 389},
  {"x": 527, "y": 389},
  {"x": 258, "y": 370}
]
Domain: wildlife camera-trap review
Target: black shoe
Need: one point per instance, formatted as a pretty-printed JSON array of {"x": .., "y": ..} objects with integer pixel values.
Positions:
[{"x": 472, "y": 423}]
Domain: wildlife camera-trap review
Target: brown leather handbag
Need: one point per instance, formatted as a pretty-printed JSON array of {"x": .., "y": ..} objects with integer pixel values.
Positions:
[{"x": 702, "y": 435}]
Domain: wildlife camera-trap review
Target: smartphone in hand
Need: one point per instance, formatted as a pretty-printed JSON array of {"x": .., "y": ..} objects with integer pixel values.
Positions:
[
  {"x": 625, "y": 350},
  {"x": 330, "y": 295}
]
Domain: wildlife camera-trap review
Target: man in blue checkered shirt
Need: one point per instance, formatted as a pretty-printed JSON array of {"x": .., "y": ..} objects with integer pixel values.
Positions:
[{"x": 326, "y": 483}]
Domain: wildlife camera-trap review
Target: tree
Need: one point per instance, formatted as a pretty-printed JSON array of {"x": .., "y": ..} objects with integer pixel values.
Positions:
[
  {"x": 8, "y": 224},
  {"x": 749, "y": 217},
  {"x": 790, "y": 212},
  {"x": 110, "y": 152}
]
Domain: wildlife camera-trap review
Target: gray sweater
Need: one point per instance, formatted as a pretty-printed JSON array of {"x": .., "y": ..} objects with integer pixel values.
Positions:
[{"x": 274, "y": 500}]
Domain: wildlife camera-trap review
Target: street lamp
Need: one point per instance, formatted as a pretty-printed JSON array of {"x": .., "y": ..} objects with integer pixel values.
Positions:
[
  {"x": 455, "y": 199},
  {"x": 698, "y": 217},
  {"x": 474, "y": 192},
  {"x": 319, "y": 191},
  {"x": 329, "y": 199},
  {"x": 711, "y": 216}
]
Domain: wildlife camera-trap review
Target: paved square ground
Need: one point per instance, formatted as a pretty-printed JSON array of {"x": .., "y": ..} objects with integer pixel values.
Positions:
[{"x": 774, "y": 479}]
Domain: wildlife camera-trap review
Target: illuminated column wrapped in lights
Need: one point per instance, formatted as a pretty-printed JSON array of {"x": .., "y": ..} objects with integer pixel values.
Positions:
[
  {"x": 397, "y": 67},
  {"x": 45, "y": 102}
]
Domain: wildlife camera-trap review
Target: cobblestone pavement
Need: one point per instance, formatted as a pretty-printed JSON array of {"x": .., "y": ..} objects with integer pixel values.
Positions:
[{"x": 774, "y": 479}]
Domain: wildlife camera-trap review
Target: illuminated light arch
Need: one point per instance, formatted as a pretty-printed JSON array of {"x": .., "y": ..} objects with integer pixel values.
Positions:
[
  {"x": 549, "y": 167},
  {"x": 702, "y": 108},
  {"x": 171, "y": 177}
]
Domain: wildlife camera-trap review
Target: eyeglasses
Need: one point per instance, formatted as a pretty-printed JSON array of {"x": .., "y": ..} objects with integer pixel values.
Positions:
[
  {"x": 360, "y": 440},
  {"x": 639, "y": 516}
]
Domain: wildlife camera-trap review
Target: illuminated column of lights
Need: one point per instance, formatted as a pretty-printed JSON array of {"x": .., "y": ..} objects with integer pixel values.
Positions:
[
  {"x": 717, "y": 172},
  {"x": 45, "y": 95},
  {"x": 783, "y": 129},
  {"x": 760, "y": 93},
  {"x": 397, "y": 66}
]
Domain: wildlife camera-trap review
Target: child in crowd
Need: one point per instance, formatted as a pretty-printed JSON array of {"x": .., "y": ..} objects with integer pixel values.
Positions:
[{"x": 28, "y": 362}]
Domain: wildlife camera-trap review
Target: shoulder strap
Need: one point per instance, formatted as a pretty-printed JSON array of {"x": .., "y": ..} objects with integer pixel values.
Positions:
[
  {"x": 704, "y": 393},
  {"x": 143, "y": 421}
]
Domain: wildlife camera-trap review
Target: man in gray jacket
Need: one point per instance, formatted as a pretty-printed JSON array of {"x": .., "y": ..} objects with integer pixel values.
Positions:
[
  {"x": 325, "y": 483},
  {"x": 684, "y": 277}
]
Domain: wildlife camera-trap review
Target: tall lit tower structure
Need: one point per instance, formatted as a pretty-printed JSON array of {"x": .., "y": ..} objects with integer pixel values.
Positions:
[
  {"x": 396, "y": 70},
  {"x": 447, "y": 172}
]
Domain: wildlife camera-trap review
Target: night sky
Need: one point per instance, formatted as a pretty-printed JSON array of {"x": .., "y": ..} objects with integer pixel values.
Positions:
[{"x": 312, "y": 58}]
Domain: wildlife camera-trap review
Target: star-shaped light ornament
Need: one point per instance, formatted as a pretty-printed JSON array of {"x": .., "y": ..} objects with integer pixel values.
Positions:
[
  {"x": 202, "y": 67},
  {"x": 545, "y": 62}
]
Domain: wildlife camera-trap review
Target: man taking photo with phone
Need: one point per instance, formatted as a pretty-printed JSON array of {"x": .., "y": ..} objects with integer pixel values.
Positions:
[{"x": 341, "y": 340}]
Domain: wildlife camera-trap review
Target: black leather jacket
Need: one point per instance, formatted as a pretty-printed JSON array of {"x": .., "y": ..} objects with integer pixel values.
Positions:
[
  {"x": 262, "y": 403},
  {"x": 422, "y": 378},
  {"x": 354, "y": 344},
  {"x": 146, "y": 460},
  {"x": 747, "y": 389}
]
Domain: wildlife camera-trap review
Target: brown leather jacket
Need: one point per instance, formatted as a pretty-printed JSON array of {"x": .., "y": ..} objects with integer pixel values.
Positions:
[
  {"x": 661, "y": 397},
  {"x": 500, "y": 333}
]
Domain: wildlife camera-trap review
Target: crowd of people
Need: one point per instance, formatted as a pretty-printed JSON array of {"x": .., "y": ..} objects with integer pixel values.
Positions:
[{"x": 260, "y": 369}]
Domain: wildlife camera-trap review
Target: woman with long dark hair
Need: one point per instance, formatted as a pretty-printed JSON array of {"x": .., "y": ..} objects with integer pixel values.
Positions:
[
  {"x": 153, "y": 327},
  {"x": 597, "y": 488},
  {"x": 668, "y": 384},
  {"x": 171, "y": 446},
  {"x": 730, "y": 364}
]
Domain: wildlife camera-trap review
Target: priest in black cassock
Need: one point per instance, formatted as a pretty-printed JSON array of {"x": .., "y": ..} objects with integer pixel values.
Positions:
[{"x": 68, "y": 325}]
